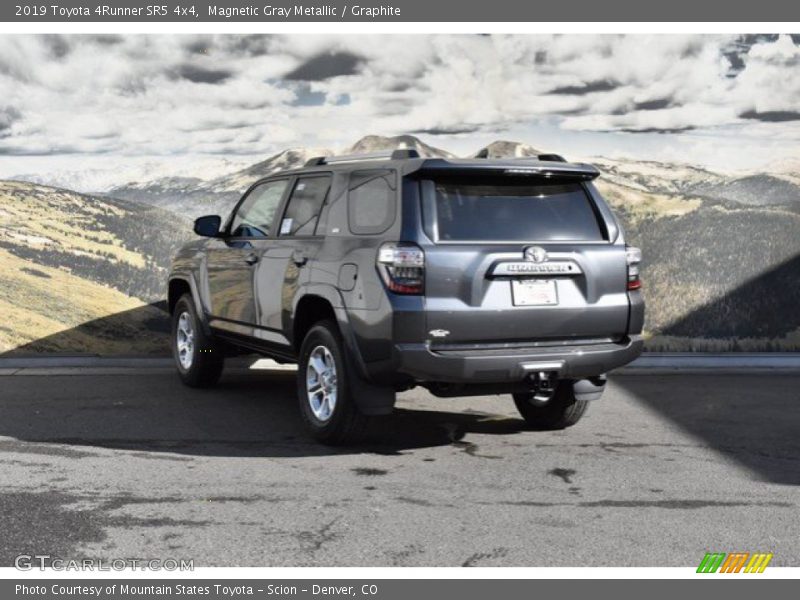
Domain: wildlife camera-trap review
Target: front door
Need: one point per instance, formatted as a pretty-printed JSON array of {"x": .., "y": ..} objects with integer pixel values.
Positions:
[{"x": 233, "y": 258}]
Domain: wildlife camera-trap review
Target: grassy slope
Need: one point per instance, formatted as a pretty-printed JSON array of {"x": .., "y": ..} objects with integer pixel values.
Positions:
[
  {"x": 46, "y": 309},
  {"x": 706, "y": 270},
  {"x": 68, "y": 262}
]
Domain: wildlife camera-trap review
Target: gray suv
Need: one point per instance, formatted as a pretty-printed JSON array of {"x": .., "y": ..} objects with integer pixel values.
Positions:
[{"x": 378, "y": 273}]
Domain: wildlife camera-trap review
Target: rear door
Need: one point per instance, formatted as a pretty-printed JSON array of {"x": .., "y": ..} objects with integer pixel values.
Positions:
[
  {"x": 520, "y": 261},
  {"x": 284, "y": 264}
]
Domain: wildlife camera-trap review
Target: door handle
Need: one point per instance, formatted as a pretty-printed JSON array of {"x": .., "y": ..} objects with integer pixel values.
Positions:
[
  {"x": 299, "y": 259},
  {"x": 251, "y": 258}
]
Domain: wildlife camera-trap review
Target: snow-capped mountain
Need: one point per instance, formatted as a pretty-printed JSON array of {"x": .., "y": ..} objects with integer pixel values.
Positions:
[
  {"x": 194, "y": 196},
  {"x": 103, "y": 179},
  {"x": 506, "y": 149},
  {"x": 239, "y": 181},
  {"x": 212, "y": 191},
  {"x": 756, "y": 188},
  {"x": 87, "y": 181},
  {"x": 670, "y": 178},
  {"x": 378, "y": 143}
]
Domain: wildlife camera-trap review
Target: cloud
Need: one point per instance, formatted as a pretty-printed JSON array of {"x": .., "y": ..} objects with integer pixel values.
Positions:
[
  {"x": 326, "y": 66},
  {"x": 586, "y": 88},
  {"x": 57, "y": 45},
  {"x": 657, "y": 129},
  {"x": 8, "y": 116},
  {"x": 658, "y": 104},
  {"x": 254, "y": 94},
  {"x": 447, "y": 131},
  {"x": 198, "y": 74},
  {"x": 772, "y": 116},
  {"x": 107, "y": 39}
]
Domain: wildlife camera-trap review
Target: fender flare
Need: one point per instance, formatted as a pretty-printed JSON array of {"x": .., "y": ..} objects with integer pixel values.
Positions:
[
  {"x": 334, "y": 297},
  {"x": 189, "y": 279},
  {"x": 372, "y": 399}
]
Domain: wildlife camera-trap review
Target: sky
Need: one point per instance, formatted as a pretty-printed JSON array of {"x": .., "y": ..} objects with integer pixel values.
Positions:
[{"x": 97, "y": 103}]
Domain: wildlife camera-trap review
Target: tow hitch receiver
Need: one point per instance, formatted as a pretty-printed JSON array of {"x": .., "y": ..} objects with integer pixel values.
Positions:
[{"x": 543, "y": 379}]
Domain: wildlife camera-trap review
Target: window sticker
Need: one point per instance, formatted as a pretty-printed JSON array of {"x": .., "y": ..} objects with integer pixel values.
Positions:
[{"x": 286, "y": 226}]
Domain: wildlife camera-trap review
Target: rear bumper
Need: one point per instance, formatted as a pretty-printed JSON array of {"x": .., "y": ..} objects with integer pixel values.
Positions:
[{"x": 424, "y": 364}]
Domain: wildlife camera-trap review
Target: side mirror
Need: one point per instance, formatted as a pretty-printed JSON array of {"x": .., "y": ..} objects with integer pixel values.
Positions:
[{"x": 208, "y": 226}]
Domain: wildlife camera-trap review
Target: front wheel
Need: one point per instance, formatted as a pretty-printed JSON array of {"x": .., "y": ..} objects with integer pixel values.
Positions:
[
  {"x": 198, "y": 357},
  {"x": 326, "y": 397},
  {"x": 559, "y": 412}
]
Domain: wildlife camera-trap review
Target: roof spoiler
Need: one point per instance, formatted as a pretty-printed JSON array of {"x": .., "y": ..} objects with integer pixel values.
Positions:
[
  {"x": 531, "y": 167},
  {"x": 583, "y": 173},
  {"x": 401, "y": 154}
]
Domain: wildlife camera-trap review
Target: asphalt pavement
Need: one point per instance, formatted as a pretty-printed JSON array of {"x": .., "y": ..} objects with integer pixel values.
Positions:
[{"x": 128, "y": 463}]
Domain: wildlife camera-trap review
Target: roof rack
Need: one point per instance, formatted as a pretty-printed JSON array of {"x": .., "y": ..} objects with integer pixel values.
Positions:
[
  {"x": 484, "y": 153},
  {"x": 400, "y": 154}
]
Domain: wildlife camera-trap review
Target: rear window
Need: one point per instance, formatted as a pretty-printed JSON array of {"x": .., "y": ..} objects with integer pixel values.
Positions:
[{"x": 516, "y": 212}]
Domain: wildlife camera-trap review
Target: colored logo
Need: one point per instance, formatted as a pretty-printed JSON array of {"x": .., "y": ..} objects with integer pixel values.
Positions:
[{"x": 735, "y": 562}]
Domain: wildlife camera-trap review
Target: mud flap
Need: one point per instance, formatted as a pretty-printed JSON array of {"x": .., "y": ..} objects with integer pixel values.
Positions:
[
  {"x": 589, "y": 389},
  {"x": 372, "y": 400}
]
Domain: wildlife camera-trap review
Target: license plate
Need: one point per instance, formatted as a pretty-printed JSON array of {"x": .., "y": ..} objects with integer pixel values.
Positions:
[{"x": 534, "y": 292}]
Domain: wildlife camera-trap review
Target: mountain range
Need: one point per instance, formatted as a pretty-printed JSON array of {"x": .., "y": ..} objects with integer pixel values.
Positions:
[
  {"x": 715, "y": 244},
  {"x": 194, "y": 196}
]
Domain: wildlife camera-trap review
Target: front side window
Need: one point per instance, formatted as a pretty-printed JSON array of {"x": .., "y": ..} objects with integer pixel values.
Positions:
[
  {"x": 304, "y": 206},
  {"x": 254, "y": 217},
  {"x": 515, "y": 211}
]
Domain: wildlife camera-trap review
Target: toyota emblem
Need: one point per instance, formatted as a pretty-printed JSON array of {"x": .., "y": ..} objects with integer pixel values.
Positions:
[{"x": 535, "y": 254}]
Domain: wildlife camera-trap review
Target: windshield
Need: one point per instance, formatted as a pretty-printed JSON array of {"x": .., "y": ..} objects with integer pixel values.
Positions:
[{"x": 522, "y": 212}]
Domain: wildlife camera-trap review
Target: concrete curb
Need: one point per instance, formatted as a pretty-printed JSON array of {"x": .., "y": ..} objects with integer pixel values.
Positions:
[
  {"x": 683, "y": 363},
  {"x": 648, "y": 364}
]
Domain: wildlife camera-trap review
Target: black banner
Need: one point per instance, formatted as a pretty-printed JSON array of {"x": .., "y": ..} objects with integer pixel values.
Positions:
[
  {"x": 277, "y": 11},
  {"x": 732, "y": 587}
]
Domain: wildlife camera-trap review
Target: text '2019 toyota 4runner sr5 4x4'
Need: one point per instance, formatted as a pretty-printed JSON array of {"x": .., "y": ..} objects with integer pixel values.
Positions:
[{"x": 377, "y": 273}]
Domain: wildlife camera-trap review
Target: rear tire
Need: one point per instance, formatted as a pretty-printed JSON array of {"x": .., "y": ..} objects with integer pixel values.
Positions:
[
  {"x": 561, "y": 411},
  {"x": 198, "y": 357},
  {"x": 324, "y": 390}
]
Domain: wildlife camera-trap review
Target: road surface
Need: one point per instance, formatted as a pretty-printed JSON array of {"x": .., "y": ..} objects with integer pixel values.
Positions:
[{"x": 127, "y": 463}]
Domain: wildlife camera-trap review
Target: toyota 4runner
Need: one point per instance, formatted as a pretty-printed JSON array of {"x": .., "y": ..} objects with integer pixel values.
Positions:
[{"x": 377, "y": 273}]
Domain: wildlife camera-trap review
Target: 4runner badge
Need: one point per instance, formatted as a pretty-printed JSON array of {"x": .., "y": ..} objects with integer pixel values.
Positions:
[
  {"x": 439, "y": 333},
  {"x": 535, "y": 254}
]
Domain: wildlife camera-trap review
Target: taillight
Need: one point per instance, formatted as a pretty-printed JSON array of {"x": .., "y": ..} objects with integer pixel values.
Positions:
[
  {"x": 634, "y": 256},
  {"x": 402, "y": 266}
]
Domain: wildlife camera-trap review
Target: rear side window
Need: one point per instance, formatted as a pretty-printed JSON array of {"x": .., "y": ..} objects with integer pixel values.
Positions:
[
  {"x": 304, "y": 206},
  {"x": 515, "y": 212},
  {"x": 371, "y": 201}
]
